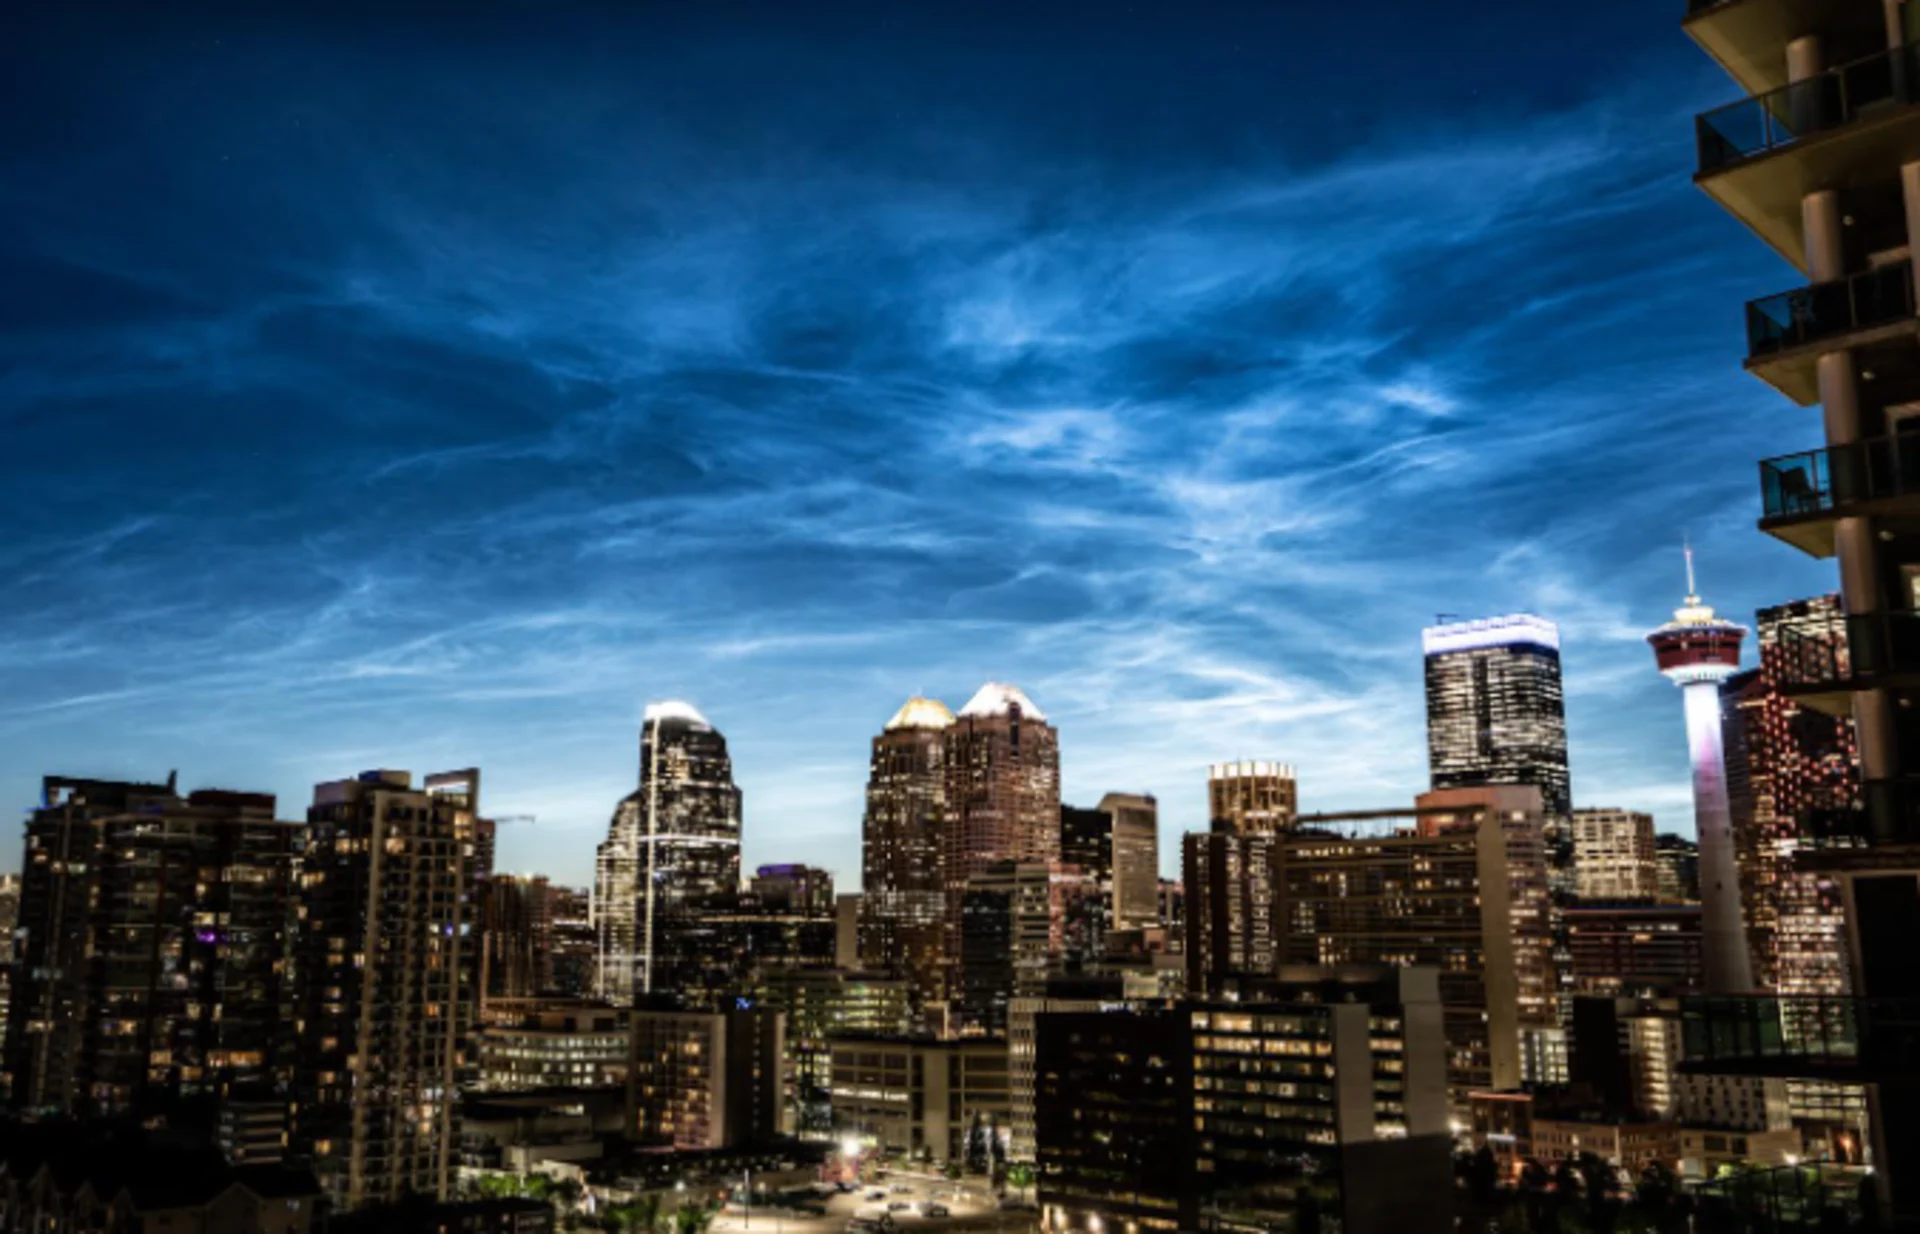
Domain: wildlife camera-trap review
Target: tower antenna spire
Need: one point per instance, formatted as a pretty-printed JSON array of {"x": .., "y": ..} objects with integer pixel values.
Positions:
[{"x": 1686, "y": 547}]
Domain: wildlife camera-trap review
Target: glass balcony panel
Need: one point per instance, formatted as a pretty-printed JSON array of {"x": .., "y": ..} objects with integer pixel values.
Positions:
[
  {"x": 1806, "y": 315},
  {"x": 1783, "y": 117},
  {"x": 1819, "y": 481},
  {"x": 1783, "y": 1033}
]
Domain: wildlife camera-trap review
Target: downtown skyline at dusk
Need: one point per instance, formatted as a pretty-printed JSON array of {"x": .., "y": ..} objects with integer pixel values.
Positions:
[{"x": 447, "y": 399}]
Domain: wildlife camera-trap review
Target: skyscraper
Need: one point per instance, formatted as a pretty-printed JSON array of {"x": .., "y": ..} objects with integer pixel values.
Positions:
[
  {"x": 1232, "y": 925},
  {"x": 670, "y": 859},
  {"x": 1117, "y": 845},
  {"x": 1017, "y": 921},
  {"x": 152, "y": 965},
  {"x": 1783, "y": 759},
  {"x": 903, "y": 908},
  {"x": 1697, "y": 651},
  {"x": 1252, "y": 797},
  {"x": 516, "y": 936},
  {"x": 1496, "y": 715},
  {"x": 1613, "y": 855},
  {"x": 387, "y": 983},
  {"x": 1002, "y": 765}
]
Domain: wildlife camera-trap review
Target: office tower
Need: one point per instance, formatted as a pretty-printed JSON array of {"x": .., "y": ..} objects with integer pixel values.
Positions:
[
  {"x": 671, "y": 857},
  {"x": 516, "y": 936},
  {"x": 387, "y": 988},
  {"x": 1636, "y": 949},
  {"x": 1819, "y": 161},
  {"x": 1697, "y": 651},
  {"x": 1252, "y": 797},
  {"x": 1018, "y": 920},
  {"x": 911, "y": 1095},
  {"x": 1102, "y": 991},
  {"x": 706, "y": 1079},
  {"x": 1117, "y": 844},
  {"x": 575, "y": 958},
  {"x": 1676, "y": 868},
  {"x": 1496, "y": 715},
  {"x": 1613, "y": 855},
  {"x": 821, "y": 1003},
  {"x": 903, "y": 908},
  {"x": 1002, "y": 766},
  {"x": 789, "y": 888},
  {"x": 540, "y": 1044},
  {"x": 1783, "y": 759},
  {"x": 151, "y": 950},
  {"x": 1321, "y": 1104},
  {"x": 1232, "y": 924},
  {"x": 1456, "y": 884},
  {"x": 759, "y": 938}
]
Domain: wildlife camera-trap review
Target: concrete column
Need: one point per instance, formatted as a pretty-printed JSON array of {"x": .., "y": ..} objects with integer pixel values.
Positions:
[
  {"x": 1805, "y": 58},
  {"x": 1896, "y": 27},
  {"x": 1820, "y": 219},
  {"x": 1910, "y": 196},
  {"x": 1839, "y": 388}
]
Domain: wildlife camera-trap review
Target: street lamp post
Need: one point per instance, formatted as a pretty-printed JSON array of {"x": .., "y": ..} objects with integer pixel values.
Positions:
[{"x": 746, "y": 1199}]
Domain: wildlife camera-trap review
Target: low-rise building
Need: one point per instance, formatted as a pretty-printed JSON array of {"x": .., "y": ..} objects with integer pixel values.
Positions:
[
  {"x": 1703, "y": 1150},
  {"x": 946, "y": 1100},
  {"x": 818, "y": 1003},
  {"x": 538, "y": 1129}
]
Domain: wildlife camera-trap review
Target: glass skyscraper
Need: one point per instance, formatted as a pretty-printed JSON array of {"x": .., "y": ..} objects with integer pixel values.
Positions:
[
  {"x": 671, "y": 859},
  {"x": 1496, "y": 715}
]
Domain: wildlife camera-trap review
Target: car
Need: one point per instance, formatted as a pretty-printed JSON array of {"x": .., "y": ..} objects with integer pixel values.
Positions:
[
  {"x": 931, "y": 1209},
  {"x": 876, "y": 1194},
  {"x": 899, "y": 1206},
  {"x": 900, "y": 1189}
]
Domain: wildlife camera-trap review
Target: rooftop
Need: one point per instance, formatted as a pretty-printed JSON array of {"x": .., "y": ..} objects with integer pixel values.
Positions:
[
  {"x": 674, "y": 709},
  {"x": 919, "y": 712},
  {"x": 996, "y": 698}
]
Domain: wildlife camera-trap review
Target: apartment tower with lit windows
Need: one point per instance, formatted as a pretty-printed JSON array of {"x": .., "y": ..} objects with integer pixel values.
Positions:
[{"x": 1821, "y": 161}]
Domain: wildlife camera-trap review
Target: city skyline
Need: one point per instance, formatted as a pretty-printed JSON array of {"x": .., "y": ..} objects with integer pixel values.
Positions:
[{"x": 1056, "y": 401}]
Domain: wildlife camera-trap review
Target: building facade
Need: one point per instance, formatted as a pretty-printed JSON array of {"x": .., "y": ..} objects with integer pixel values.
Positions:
[
  {"x": 670, "y": 859},
  {"x": 706, "y": 1079},
  {"x": 1637, "y": 949},
  {"x": 820, "y": 1003},
  {"x": 386, "y": 953},
  {"x": 1252, "y": 797},
  {"x": 552, "y": 1044},
  {"x": 153, "y": 935},
  {"x": 947, "y": 1101},
  {"x": 1613, "y": 856},
  {"x": 516, "y": 937},
  {"x": 902, "y": 924}
]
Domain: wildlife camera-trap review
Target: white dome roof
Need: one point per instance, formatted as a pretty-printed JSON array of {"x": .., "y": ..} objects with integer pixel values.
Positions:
[
  {"x": 996, "y": 698},
  {"x": 919, "y": 712},
  {"x": 674, "y": 709}
]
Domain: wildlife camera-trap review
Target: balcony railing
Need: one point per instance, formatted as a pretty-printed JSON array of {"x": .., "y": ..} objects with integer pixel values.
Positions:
[
  {"x": 1793, "y": 319},
  {"x": 1821, "y": 481},
  {"x": 1827, "y": 101},
  {"x": 1811, "y": 1034},
  {"x": 1697, "y": 7},
  {"x": 1875, "y": 813},
  {"x": 1833, "y": 652}
]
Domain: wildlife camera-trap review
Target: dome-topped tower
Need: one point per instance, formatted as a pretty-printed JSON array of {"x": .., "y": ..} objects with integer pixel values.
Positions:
[
  {"x": 997, "y": 698},
  {"x": 918, "y": 712}
]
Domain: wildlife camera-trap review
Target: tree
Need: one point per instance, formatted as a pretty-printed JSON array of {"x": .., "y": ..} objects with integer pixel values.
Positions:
[
  {"x": 692, "y": 1218},
  {"x": 1483, "y": 1175},
  {"x": 1020, "y": 1177}
]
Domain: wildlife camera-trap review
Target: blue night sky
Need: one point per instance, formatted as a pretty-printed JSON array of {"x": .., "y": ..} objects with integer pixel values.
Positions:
[{"x": 435, "y": 389}]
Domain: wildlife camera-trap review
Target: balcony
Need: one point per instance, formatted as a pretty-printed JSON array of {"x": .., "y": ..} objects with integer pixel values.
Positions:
[
  {"x": 1787, "y": 332},
  {"x": 1747, "y": 36},
  {"x": 1825, "y": 660},
  {"x": 1844, "y": 128},
  {"x": 1879, "y": 814},
  {"x": 1802, "y": 495},
  {"x": 1812, "y": 1036}
]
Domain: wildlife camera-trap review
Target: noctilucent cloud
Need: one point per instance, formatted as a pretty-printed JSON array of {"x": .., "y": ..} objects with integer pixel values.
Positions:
[{"x": 433, "y": 388}]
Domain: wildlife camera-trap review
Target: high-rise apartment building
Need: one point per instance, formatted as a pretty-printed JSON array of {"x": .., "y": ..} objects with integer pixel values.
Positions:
[
  {"x": 516, "y": 936},
  {"x": 387, "y": 964},
  {"x": 1783, "y": 759},
  {"x": 151, "y": 964},
  {"x": 1676, "y": 862},
  {"x": 1252, "y": 797},
  {"x": 9, "y": 918},
  {"x": 903, "y": 907},
  {"x": 575, "y": 954},
  {"x": 1613, "y": 855},
  {"x": 671, "y": 857},
  {"x": 1002, "y": 765},
  {"x": 1821, "y": 160},
  {"x": 1496, "y": 715}
]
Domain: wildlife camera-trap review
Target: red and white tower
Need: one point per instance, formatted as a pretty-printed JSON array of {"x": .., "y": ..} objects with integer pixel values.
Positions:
[{"x": 1697, "y": 651}]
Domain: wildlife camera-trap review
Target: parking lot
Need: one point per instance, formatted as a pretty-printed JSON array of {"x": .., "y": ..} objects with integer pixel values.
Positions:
[{"x": 901, "y": 1199}]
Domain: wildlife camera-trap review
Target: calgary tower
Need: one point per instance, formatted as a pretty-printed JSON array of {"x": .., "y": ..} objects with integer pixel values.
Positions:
[{"x": 1697, "y": 651}]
